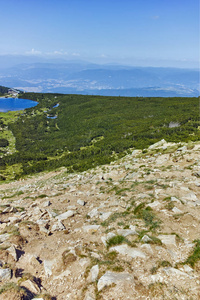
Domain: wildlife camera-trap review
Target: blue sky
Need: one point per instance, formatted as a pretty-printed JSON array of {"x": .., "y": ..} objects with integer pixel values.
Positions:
[{"x": 135, "y": 32}]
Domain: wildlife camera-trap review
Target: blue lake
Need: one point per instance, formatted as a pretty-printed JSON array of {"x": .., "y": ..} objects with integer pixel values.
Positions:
[{"x": 7, "y": 104}]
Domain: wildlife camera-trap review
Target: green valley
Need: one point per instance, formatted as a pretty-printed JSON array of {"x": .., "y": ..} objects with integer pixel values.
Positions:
[{"x": 80, "y": 132}]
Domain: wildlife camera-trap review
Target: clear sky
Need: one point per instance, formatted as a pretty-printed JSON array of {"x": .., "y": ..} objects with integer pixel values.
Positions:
[{"x": 136, "y": 32}]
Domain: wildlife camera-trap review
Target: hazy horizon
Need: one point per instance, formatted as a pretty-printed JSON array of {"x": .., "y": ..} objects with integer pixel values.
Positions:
[{"x": 133, "y": 33}]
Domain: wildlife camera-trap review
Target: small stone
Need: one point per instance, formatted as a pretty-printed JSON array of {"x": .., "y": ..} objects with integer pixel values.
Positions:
[
  {"x": 110, "y": 277},
  {"x": 12, "y": 251},
  {"x": 128, "y": 166},
  {"x": 94, "y": 272},
  {"x": 5, "y": 274},
  {"x": 126, "y": 232},
  {"x": 51, "y": 214},
  {"x": 93, "y": 213},
  {"x": 66, "y": 215},
  {"x": 46, "y": 203},
  {"x": 158, "y": 144},
  {"x": 168, "y": 239},
  {"x": 190, "y": 197},
  {"x": 31, "y": 286},
  {"x": 156, "y": 278},
  {"x": 44, "y": 230},
  {"x": 126, "y": 250},
  {"x": 81, "y": 202},
  {"x": 188, "y": 269},
  {"x": 10, "y": 210},
  {"x": 92, "y": 228},
  {"x": 58, "y": 226},
  {"x": 89, "y": 296},
  {"x": 184, "y": 148},
  {"x": 34, "y": 262},
  {"x": 175, "y": 199},
  {"x": 66, "y": 273},
  {"x": 4, "y": 237},
  {"x": 176, "y": 210},
  {"x": 154, "y": 204},
  {"x": 48, "y": 264},
  {"x": 104, "y": 216},
  {"x": 172, "y": 271},
  {"x": 146, "y": 239}
]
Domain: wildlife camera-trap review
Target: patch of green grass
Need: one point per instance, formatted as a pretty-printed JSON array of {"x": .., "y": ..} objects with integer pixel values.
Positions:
[
  {"x": 121, "y": 191},
  {"x": 117, "y": 269},
  {"x": 42, "y": 196},
  {"x": 195, "y": 256},
  {"x": 170, "y": 205},
  {"x": 116, "y": 240},
  {"x": 11, "y": 286},
  {"x": 147, "y": 214},
  {"x": 163, "y": 264},
  {"x": 11, "y": 229},
  {"x": 111, "y": 255},
  {"x": 114, "y": 217},
  {"x": 139, "y": 208},
  {"x": 14, "y": 195}
]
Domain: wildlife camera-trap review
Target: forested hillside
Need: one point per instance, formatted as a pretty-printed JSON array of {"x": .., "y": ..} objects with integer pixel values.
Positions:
[
  {"x": 3, "y": 90},
  {"x": 80, "y": 132}
]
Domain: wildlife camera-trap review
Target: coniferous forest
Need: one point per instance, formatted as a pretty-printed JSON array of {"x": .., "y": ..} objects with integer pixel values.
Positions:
[{"x": 80, "y": 132}]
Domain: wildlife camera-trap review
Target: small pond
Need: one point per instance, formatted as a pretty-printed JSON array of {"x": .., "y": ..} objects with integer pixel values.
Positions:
[{"x": 7, "y": 104}]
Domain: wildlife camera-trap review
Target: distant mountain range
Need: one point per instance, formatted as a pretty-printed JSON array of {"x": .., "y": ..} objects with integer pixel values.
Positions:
[{"x": 61, "y": 76}]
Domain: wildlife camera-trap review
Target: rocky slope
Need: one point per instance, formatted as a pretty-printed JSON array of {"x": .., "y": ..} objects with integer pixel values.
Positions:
[{"x": 128, "y": 230}]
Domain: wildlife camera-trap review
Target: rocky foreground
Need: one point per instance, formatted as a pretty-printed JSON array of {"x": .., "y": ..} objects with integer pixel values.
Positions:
[{"x": 128, "y": 230}]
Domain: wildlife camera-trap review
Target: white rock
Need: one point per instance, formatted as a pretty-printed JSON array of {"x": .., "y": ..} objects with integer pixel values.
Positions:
[
  {"x": 93, "y": 213},
  {"x": 168, "y": 239},
  {"x": 135, "y": 152},
  {"x": 126, "y": 232},
  {"x": 94, "y": 272},
  {"x": 146, "y": 239},
  {"x": 104, "y": 216},
  {"x": 126, "y": 250},
  {"x": 46, "y": 203},
  {"x": 5, "y": 274},
  {"x": 48, "y": 264},
  {"x": 58, "y": 226},
  {"x": 184, "y": 148},
  {"x": 44, "y": 230},
  {"x": 188, "y": 269},
  {"x": 162, "y": 159},
  {"x": 89, "y": 296},
  {"x": 190, "y": 197},
  {"x": 4, "y": 237},
  {"x": 128, "y": 166},
  {"x": 156, "y": 278},
  {"x": 176, "y": 272},
  {"x": 31, "y": 286},
  {"x": 51, "y": 214},
  {"x": 176, "y": 210},
  {"x": 88, "y": 228},
  {"x": 66, "y": 273},
  {"x": 158, "y": 144},
  {"x": 81, "y": 202},
  {"x": 147, "y": 247},
  {"x": 12, "y": 251},
  {"x": 65, "y": 215},
  {"x": 110, "y": 277},
  {"x": 154, "y": 204},
  {"x": 175, "y": 199}
]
